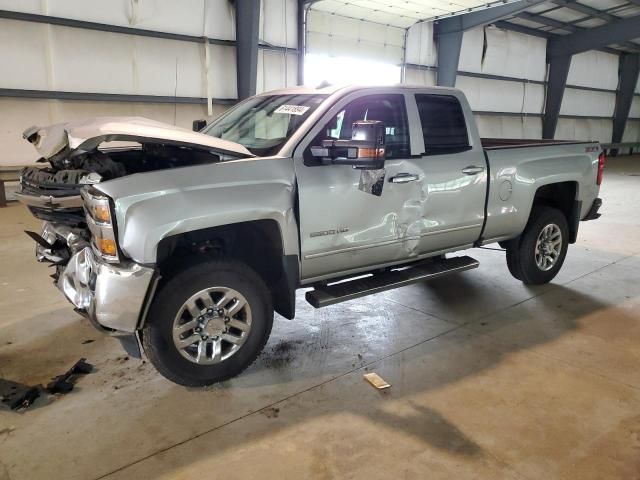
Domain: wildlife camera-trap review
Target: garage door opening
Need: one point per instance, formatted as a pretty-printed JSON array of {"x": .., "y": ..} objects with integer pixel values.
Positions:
[{"x": 348, "y": 70}]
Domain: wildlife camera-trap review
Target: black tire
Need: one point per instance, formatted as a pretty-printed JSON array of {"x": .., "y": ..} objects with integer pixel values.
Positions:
[
  {"x": 157, "y": 335},
  {"x": 521, "y": 254}
]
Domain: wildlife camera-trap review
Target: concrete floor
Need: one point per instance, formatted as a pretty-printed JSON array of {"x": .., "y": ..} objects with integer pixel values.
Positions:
[{"x": 491, "y": 379}]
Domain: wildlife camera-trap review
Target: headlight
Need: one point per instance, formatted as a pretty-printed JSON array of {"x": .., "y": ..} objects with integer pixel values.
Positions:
[{"x": 97, "y": 207}]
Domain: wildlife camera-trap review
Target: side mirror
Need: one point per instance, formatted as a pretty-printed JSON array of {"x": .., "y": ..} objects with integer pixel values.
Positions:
[
  {"x": 199, "y": 125},
  {"x": 365, "y": 149}
]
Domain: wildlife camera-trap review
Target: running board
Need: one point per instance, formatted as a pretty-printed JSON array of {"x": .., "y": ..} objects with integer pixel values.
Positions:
[{"x": 323, "y": 296}]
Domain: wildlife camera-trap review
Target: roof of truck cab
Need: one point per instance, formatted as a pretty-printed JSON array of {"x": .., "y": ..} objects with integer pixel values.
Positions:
[{"x": 331, "y": 89}]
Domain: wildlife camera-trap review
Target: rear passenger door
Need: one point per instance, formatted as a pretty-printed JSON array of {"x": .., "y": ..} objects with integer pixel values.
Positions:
[{"x": 455, "y": 173}]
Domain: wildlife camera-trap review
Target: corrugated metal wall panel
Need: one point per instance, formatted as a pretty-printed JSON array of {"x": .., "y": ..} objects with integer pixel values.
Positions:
[
  {"x": 594, "y": 69},
  {"x": 49, "y": 57},
  {"x": 632, "y": 131},
  {"x": 508, "y": 54},
  {"x": 415, "y": 76},
  {"x": 635, "y": 108},
  {"x": 421, "y": 50},
  {"x": 338, "y": 36},
  {"x": 38, "y": 56},
  {"x": 278, "y": 23},
  {"x": 588, "y": 103},
  {"x": 584, "y": 129},
  {"x": 190, "y": 17},
  {"x": 493, "y": 126},
  {"x": 502, "y": 96},
  {"x": 19, "y": 114},
  {"x": 274, "y": 73}
]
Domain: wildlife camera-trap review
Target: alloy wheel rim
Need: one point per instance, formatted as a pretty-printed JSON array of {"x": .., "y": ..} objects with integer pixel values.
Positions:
[
  {"x": 212, "y": 325},
  {"x": 548, "y": 247}
]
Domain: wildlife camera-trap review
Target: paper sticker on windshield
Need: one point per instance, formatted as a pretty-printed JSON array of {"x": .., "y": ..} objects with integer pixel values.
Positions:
[{"x": 292, "y": 109}]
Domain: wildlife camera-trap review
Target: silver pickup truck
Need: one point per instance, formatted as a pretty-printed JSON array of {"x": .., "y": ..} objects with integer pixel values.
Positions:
[{"x": 185, "y": 243}]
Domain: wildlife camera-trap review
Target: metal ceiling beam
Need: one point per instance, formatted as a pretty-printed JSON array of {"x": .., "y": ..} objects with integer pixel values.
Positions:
[
  {"x": 467, "y": 21},
  {"x": 514, "y": 27},
  {"x": 629, "y": 72},
  {"x": 540, "y": 33},
  {"x": 594, "y": 38},
  {"x": 550, "y": 22},
  {"x": 247, "y": 28},
  {"x": 556, "y": 83},
  {"x": 448, "y": 35},
  {"x": 581, "y": 8},
  {"x": 546, "y": 21}
]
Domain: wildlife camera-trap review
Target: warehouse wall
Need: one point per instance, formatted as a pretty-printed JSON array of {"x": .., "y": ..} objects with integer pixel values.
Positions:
[
  {"x": 53, "y": 58},
  {"x": 503, "y": 74},
  {"x": 338, "y": 36},
  {"x": 632, "y": 130}
]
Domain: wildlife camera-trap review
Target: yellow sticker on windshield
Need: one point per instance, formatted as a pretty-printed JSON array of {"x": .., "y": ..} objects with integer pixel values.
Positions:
[{"x": 292, "y": 109}]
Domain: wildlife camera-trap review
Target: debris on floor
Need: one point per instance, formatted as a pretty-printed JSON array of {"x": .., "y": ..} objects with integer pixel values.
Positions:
[
  {"x": 271, "y": 412},
  {"x": 63, "y": 383},
  {"x": 18, "y": 395},
  {"x": 376, "y": 380}
]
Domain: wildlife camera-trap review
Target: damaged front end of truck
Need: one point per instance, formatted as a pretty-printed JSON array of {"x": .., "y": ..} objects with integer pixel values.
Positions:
[{"x": 79, "y": 237}]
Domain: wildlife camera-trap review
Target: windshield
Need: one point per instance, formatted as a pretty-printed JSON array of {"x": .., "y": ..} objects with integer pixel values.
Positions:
[{"x": 263, "y": 124}]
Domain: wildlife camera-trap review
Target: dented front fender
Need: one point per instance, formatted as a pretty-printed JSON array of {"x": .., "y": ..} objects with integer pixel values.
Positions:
[{"x": 155, "y": 205}]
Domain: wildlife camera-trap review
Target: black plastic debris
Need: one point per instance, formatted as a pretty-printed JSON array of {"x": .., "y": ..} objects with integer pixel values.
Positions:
[
  {"x": 63, "y": 383},
  {"x": 18, "y": 395}
]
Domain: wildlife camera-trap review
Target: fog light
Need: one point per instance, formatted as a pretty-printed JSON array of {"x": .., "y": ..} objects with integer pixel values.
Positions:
[{"x": 107, "y": 246}]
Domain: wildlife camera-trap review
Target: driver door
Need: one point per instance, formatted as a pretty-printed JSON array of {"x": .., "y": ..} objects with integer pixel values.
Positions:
[{"x": 352, "y": 219}]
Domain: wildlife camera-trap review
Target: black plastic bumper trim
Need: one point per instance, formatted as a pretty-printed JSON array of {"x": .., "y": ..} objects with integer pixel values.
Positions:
[{"x": 593, "y": 211}]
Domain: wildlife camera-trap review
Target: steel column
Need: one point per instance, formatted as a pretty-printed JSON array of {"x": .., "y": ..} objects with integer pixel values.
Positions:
[
  {"x": 247, "y": 29},
  {"x": 301, "y": 35},
  {"x": 629, "y": 71},
  {"x": 557, "y": 81},
  {"x": 449, "y": 46}
]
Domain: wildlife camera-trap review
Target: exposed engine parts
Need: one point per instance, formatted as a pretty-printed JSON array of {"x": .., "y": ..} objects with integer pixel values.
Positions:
[{"x": 53, "y": 193}]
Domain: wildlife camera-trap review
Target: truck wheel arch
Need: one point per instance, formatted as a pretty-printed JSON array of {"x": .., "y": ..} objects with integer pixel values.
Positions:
[
  {"x": 258, "y": 244},
  {"x": 564, "y": 197}
]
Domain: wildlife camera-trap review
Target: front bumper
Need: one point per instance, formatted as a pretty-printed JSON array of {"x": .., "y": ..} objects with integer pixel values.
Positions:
[{"x": 112, "y": 296}]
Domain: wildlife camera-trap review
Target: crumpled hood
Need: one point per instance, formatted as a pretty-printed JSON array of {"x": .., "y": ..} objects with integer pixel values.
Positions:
[{"x": 86, "y": 135}]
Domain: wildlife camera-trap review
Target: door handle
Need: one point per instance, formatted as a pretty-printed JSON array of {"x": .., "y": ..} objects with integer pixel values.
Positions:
[
  {"x": 472, "y": 170},
  {"x": 404, "y": 178}
]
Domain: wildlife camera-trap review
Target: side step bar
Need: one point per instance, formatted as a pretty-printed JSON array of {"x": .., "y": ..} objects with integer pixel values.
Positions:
[{"x": 323, "y": 296}]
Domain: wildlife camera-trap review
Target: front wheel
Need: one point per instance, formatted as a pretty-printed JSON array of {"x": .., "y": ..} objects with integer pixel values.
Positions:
[
  {"x": 540, "y": 252},
  {"x": 208, "y": 323}
]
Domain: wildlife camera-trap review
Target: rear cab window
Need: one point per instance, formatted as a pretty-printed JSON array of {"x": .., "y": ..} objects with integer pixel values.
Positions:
[{"x": 443, "y": 124}]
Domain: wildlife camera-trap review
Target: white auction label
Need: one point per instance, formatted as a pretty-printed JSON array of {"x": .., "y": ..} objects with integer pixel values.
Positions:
[{"x": 292, "y": 109}]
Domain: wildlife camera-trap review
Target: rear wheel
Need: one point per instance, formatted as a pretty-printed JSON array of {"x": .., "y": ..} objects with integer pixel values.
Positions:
[
  {"x": 208, "y": 323},
  {"x": 538, "y": 255}
]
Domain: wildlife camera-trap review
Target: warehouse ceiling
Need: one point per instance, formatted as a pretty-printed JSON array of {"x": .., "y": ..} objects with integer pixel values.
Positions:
[
  {"x": 563, "y": 17},
  {"x": 555, "y": 17},
  {"x": 401, "y": 13}
]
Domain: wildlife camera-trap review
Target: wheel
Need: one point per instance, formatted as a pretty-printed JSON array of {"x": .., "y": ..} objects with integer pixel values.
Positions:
[
  {"x": 208, "y": 323},
  {"x": 539, "y": 254}
]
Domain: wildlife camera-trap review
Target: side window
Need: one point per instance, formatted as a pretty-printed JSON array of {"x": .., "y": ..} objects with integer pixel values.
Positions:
[
  {"x": 389, "y": 109},
  {"x": 443, "y": 124}
]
